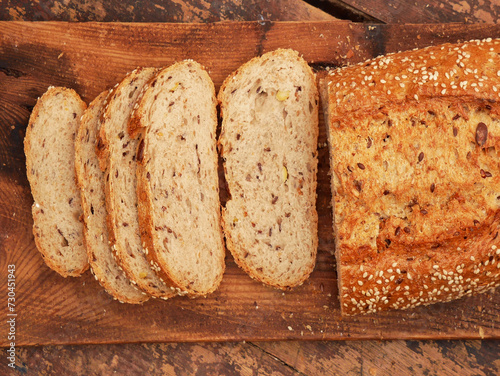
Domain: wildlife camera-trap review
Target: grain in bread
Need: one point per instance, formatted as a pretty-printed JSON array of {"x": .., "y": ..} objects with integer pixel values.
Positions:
[
  {"x": 179, "y": 209},
  {"x": 414, "y": 141},
  {"x": 117, "y": 154},
  {"x": 90, "y": 180},
  {"x": 268, "y": 142},
  {"x": 50, "y": 164}
]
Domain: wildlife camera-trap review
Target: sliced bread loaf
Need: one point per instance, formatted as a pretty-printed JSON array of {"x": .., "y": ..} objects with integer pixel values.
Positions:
[
  {"x": 268, "y": 142},
  {"x": 414, "y": 140},
  {"x": 179, "y": 209},
  {"x": 49, "y": 146},
  {"x": 90, "y": 179},
  {"x": 117, "y": 153}
]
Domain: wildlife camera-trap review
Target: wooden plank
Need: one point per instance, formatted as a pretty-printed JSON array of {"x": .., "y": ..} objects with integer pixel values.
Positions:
[
  {"x": 420, "y": 11},
  {"x": 465, "y": 358},
  {"x": 90, "y": 57},
  {"x": 160, "y": 11}
]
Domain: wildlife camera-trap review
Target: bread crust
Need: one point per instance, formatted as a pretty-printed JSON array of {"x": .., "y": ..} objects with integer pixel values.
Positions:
[
  {"x": 238, "y": 246},
  {"x": 44, "y": 237},
  {"x": 413, "y": 139},
  {"x": 151, "y": 233}
]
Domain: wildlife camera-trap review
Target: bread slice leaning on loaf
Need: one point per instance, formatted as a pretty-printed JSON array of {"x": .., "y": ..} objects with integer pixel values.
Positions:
[
  {"x": 414, "y": 140},
  {"x": 49, "y": 146},
  {"x": 91, "y": 183},
  {"x": 117, "y": 154},
  {"x": 268, "y": 142},
  {"x": 177, "y": 180}
]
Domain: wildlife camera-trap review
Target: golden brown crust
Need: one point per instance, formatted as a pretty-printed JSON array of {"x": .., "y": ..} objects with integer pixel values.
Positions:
[
  {"x": 413, "y": 146},
  {"x": 445, "y": 71}
]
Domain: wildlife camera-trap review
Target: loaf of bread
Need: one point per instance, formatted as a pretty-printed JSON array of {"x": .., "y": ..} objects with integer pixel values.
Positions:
[
  {"x": 177, "y": 180},
  {"x": 49, "y": 146},
  {"x": 414, "y": 140},
  {"x": 90, "y": 180},
  {"x": 268, "y": 142},
  {"x": 117, "y": 154}
]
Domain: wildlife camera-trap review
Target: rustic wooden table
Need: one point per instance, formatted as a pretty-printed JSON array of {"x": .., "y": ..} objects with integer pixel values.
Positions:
[{"x": 395, "y": 357}]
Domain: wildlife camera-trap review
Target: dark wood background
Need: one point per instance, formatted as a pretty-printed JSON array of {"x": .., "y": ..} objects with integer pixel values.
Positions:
[{"x": 473, "y": 357}]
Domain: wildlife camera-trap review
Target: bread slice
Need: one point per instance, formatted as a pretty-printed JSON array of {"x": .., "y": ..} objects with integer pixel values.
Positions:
[
  {"x": 90, "y": 180},
  {"x": 50, "y": 164},
  {"x": 117, "y": 153},
  {"x": 414, "y": 141},
  {"x": 179, "y": 209},
  {"x": 268, "y": 142}
]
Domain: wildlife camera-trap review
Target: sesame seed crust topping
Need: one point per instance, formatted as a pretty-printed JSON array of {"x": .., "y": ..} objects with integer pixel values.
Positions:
[
  {"x": 376, "y": 82},
  {"x": 419, "y": 223}
]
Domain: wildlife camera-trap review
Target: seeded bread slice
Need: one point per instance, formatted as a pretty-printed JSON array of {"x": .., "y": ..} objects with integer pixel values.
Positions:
[
  {"x": 90, "y": 179},
  {"x": 268, "y": 142},
  {"x": 414, "y": 140},
  {"x": 117, "y": 153},
  {"x": 50, "y": 163},
  {"x": 179, "y": 209}
]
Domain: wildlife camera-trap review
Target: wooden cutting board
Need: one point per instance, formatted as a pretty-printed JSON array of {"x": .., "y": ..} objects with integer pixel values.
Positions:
[{"x": 91, "y": 57}]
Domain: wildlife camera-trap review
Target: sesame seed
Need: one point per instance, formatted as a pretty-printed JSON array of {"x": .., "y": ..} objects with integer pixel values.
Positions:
[{"x": 394, "y": 264}]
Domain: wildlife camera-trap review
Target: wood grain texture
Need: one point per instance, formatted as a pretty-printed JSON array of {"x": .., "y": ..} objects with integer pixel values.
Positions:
[
  {"x": 363, "y": 358},
  {"x": 160, "y": 11},
  {"x": 93, "y": 56},
  {"x": 410, "y": 11}
]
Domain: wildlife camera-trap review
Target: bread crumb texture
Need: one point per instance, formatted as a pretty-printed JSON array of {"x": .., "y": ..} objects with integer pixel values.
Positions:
[
  {"x": 269, "y": 146},
  {"x": 414, "y": 142},
  {"x": 49, "y": 148},
  {"x": 178, "y": 184},
  {"x": 117, "y": 152},
  {"x": 90, "y": 179}
]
